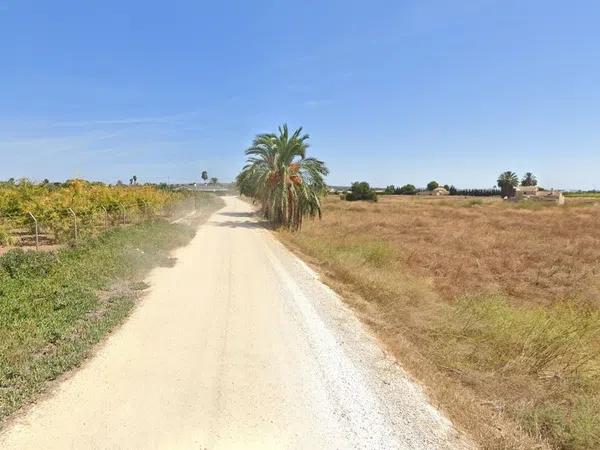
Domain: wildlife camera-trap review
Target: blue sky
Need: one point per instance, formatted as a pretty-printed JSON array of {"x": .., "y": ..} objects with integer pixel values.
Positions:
[{"x": 391, "y": 92}]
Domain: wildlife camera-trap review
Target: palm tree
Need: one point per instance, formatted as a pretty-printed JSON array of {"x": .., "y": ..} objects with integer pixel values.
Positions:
[
  {"x": 278, "y": 175},
  {"x": 507, "y": 182},
  {"x": 529, "y": 180}
]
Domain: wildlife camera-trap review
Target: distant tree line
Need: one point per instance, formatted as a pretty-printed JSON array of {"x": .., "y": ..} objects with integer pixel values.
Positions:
[
  {"x": 56, "y": 185},
  {"x": 407, "y": 189},
  {"x": 507, "y": 183},
  {"x": 410, "y": 189}
]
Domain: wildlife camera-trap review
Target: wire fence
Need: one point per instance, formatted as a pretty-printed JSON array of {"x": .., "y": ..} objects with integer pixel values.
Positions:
[{"x": 55, "y": 227}]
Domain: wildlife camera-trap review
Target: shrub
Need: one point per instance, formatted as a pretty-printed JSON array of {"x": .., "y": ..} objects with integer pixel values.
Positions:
[
  {"x": 361, "y": 191},
  {"x": 19, "y": 263},
  {"x": 6, "y": 238},
  {"x": 407, "y": 189}
]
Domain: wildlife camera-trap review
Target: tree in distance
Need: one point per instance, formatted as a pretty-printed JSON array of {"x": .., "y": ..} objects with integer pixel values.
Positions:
[
  {"x": 214, "y": 180},
  {"x": 278, "y": 174},
  {"x": 204, "y": 176},
  {"x": 529, "y": 179},
  {"x": 361, "y": 191},
  {"x": 407, "y": 189},
  {"x": 432, "y": 185},
  {"x": 507, "y": 182}
]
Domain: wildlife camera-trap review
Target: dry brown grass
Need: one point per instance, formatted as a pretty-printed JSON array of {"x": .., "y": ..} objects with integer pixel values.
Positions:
[{"x": 494, "y": 306}]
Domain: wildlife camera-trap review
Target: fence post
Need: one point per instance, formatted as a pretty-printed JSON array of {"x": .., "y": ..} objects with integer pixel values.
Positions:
[
  {"x": 37, "y": 235},
  {"x": 74, "y": 223}
]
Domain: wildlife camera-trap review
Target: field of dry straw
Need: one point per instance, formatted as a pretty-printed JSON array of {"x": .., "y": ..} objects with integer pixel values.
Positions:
[{"x": 493, "y": 306}]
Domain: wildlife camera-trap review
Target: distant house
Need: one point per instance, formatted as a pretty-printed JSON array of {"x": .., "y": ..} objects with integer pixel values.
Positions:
[
  {"x": 536, "y": 194},
  {"x": 438, "y": 191}
]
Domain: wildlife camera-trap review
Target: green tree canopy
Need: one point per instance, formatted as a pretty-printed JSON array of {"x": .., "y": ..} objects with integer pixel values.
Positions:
[
  {"x": 361, "y": 190},
  {"x": 432, "y": 185},
  {"x": 407, "y": 189}
]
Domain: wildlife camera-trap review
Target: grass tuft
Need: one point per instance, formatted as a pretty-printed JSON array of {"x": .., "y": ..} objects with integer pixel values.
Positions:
[{"x": 559, "y": 341}]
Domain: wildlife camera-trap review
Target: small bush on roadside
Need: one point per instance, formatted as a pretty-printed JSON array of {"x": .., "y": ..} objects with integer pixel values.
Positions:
[{"x": 578, "y": 429}]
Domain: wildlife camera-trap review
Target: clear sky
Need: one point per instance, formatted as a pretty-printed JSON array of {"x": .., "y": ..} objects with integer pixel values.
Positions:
[{"x": 391, "y": 92}]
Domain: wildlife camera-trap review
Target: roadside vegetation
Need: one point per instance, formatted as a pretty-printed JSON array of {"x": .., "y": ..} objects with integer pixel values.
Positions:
[
  {"x": 493, "y": 305},
  {"x": 78, "y": 208},
  {"x": 56, "y": 305},
  {"x": 280, "y": 176}
]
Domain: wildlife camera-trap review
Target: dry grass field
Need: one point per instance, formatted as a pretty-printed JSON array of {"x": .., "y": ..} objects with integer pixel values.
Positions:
[{"x": 493, "y": 306}]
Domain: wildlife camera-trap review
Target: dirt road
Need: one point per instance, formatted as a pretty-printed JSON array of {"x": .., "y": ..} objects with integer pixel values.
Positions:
[{"x": 238, "y": 346}]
